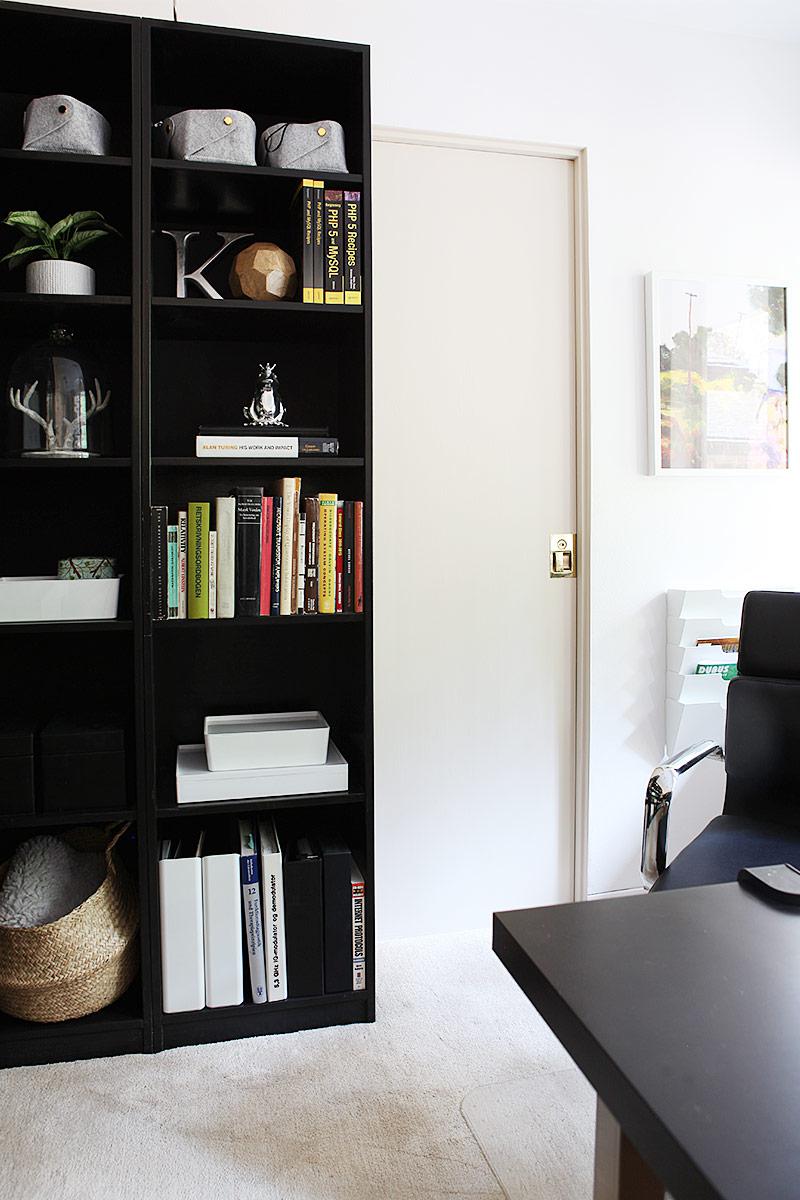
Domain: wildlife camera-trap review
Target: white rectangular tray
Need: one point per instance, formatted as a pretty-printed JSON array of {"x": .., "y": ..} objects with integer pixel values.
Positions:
[
  {"x": 195, "y": 784},
  {"x": 255, "y": 741},
  {"x": 46, "y": 598}
]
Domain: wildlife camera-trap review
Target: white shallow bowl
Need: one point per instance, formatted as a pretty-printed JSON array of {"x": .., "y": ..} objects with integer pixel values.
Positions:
[
  {"x": 46, "y": 598},
  {"x": 260, "y": 740}
]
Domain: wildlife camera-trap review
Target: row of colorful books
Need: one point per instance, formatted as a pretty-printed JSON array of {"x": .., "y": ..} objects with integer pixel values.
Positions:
[
  {"x": 259, "y": 552},
  {"x": 330, "y": 257},
  {"x": 294, "y": 897}
]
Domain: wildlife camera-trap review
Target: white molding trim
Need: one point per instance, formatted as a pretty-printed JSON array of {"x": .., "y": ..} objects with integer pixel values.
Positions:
[
  {"x": 578, "y": 156},
  {"x": 623, "y": 892},
  {"x": 583, "y": 484}
]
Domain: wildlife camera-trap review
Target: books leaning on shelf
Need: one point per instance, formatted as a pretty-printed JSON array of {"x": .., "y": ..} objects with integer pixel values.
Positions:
[
  {"x": 328, "y": 220},
  {"x": 261, "y": 552},
  {"x": 296, "y": 893}
]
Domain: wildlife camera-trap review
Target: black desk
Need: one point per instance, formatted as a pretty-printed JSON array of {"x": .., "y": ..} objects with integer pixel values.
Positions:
[{"x": 682, "y": 1009}]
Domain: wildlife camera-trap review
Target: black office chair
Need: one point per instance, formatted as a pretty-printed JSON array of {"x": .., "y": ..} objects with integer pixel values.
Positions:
[{"x": 760, "y": 822}]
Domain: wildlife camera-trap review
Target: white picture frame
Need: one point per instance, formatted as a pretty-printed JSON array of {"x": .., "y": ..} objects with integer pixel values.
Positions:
[{"x": 721, "y": 406}]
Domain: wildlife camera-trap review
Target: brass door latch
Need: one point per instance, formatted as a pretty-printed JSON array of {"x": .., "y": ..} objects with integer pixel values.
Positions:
[{"x": 563, "y": 562}]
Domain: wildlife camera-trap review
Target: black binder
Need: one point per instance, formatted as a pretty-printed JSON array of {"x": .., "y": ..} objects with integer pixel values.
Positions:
[
  {"x": 302, "y": 900},
  {"x": 338, "y": 910}
]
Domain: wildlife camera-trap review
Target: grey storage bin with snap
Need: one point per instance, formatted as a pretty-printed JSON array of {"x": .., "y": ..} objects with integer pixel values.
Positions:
[
  {"x": 320, "y": 145},
  {"x": 64, "y": 124},
  {"x": 210, "y": 135}
]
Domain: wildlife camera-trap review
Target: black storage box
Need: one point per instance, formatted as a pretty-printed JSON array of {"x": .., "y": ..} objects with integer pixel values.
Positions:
[
  {"x": 82, "y": 764},
  {"x": 16, "y": 767}
]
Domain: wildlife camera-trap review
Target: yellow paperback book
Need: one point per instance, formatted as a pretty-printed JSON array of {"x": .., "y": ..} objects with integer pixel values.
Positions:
[
  {"x": 327, "y": 552},
  {"x": 318, "y": 221}
]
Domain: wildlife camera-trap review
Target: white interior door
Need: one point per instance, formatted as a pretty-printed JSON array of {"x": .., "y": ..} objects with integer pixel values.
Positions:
[{"x": 474, "y": 436}]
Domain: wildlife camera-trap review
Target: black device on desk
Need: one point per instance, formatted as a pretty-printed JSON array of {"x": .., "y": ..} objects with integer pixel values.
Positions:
[{"x": 780, "y": 883}]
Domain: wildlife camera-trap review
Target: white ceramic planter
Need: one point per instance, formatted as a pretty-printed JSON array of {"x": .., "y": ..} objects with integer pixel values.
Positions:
[{"x": 56, "y": 276}]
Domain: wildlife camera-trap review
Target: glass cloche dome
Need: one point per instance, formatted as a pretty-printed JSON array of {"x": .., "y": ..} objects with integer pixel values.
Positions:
[{"x": 61, "y": 398}]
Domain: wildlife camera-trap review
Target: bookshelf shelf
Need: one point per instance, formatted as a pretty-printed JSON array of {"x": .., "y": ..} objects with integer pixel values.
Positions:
[
  {"x": 34, "y": 300},
  {"x": 118, "y": 1029},
  {"x": 311, "y": 800},
  {"x": 254, "y": 1020},
  {"x": 63, "y": 464},
  {"x": 116, "y": 626},
  {"x": 179, "y": 363},
  {"x": 176, "y": 167},
  {"x": 259, "y": 622},
  {"x": 260, "y": 307},
  {"x": 327, "y": 462},
  {"x": 260, "y": 1012},
  {"x": 44, "y": 158},
  {"x": 45, "y": 820}
]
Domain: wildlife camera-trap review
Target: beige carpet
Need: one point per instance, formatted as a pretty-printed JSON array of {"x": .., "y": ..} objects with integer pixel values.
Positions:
[{"x": 362, "y": 1113}]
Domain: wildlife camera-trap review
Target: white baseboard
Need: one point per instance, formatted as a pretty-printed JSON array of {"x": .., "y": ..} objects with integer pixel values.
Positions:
[{"x": 637, "y": 891}]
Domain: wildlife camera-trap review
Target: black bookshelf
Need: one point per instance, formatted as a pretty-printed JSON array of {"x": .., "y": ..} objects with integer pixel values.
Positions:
[{"x": 177, "y": 358}]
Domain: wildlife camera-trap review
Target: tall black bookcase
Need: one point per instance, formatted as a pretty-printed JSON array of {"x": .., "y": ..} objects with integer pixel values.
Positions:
[{"x": 180, "y": 363}]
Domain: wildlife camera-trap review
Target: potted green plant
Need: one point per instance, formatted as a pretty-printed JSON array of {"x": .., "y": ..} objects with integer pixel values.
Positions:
[{"x": 53, "y": 247}]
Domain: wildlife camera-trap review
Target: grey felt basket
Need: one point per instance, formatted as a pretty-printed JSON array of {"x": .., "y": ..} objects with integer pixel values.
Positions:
[
  {"x": 319, "y": 145},
  {"x": 210, "y": 135},
  {"x": 62, "y": 123}
]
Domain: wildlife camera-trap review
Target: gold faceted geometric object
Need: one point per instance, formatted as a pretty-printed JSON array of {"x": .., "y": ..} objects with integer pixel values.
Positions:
[
  {"x": 263, "y": 272},
  {"x": 322, "y": 131},
  {"x": 227, "y": 120}
]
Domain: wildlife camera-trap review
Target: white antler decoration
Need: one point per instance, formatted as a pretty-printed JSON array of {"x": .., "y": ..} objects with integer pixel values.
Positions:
[
  {"x": 21, "y": 404},
  {"x": 97, "y": 403}
]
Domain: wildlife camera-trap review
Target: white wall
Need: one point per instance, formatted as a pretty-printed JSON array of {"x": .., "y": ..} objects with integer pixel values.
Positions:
[{"x": 694, "y": 165}]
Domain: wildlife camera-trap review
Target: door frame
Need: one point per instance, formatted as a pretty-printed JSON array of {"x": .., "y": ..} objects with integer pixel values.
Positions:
[{"x": 578, "y": 156}]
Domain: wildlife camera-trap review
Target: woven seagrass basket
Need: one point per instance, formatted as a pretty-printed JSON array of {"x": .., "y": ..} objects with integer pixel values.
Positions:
[{"x": 83, "y": 961}]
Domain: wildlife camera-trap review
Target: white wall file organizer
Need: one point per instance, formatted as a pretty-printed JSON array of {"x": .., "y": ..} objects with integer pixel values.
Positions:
[{"x": 695, "y": 706}]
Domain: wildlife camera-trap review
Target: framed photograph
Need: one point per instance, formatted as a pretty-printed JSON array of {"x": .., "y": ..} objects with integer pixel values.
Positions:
[{"x": 717, "y": 357}]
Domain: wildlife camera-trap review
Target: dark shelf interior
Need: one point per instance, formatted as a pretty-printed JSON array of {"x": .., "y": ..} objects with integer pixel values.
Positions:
[
  {"x": 281, "y": 673},
  {"x": 193, "y": 66},
  {"x": 125, "y": 1013},
  {"x": 50, "y": 51},
  {"x": 217, "y": 194},
  {"x": 323, "y": 389},
  {"x": 99, "y": 507},
  {"x": 56, "y": 189}
]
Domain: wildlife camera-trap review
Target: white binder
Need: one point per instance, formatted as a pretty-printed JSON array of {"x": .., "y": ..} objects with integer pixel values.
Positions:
[
  {"x": 181, "y": 903},
  {"x": 222, "y": 930},
  {"x": 272, "y": 890}
]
